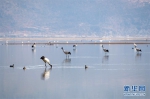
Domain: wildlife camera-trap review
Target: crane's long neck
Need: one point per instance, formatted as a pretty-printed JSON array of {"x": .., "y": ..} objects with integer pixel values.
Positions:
[
  {"x": 63, "y": 50},
  {"x": 102, "y": 47}
]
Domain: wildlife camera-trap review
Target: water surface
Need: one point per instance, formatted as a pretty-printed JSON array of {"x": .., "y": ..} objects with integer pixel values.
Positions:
[{"x": 105, "y": 77}]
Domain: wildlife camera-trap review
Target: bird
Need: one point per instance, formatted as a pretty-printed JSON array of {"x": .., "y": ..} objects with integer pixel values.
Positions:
[
  {"x": 66, "y": 52},
  {"x": 74, "y": 45},
  {"x": 33, "y": 46},
  {"x": 46, "y": 60},
  {"x": 137, "y": 49},
  {"x": 135, "y": 45},
  {"x": 105, "y": 50},
  {"x": 86, "y": 67},
  {"x": 24, "y": 68},
  {"x": 12, "y": 65}
]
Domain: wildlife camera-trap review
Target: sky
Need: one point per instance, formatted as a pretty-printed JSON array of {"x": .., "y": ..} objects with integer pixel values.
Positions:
[{"x": 76, "y": 17}]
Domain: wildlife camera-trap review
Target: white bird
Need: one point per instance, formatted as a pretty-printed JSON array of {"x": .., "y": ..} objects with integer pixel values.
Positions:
[
  {"x": 33, "y": 46},
  {"x": 105, "y": 50},
  {"x": 46, "y": 60},
  {"x": 66, "y": 52}
]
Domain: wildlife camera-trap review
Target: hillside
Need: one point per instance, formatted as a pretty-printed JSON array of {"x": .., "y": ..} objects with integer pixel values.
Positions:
[{"x": 75, "y": 17}]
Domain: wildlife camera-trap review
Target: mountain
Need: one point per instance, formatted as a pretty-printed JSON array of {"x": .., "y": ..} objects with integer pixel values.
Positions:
[{"x": 75, "y": 17}]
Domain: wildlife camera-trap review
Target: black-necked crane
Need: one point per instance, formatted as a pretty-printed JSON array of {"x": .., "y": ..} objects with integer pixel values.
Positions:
[
  {"x": 46, "y": 60},
  {"x": 74, "y": 46},
  {"x": 66, "y": 52},
  {"x": 105, "y": 50},
  {"x": 137, "y": 49},
  {"x": 33, "y": 46}
]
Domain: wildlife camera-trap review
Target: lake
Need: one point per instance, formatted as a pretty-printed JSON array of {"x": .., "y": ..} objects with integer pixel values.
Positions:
[{"x": 120, "y": 74}]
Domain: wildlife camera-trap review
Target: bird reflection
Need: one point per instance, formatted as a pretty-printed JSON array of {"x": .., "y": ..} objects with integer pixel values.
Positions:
[
  {"x": 67, "y": 60},
  {"x": 138, "y": 55},
  {"x": 33, "y": 50},
  {"x": 105, "y": 58},
  {"x": 74, "y": 50},
  {"x": 46, "y": 74}
]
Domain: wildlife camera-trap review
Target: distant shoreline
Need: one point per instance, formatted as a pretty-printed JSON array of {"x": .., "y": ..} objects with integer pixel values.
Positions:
[
  {"x": 51, "y": 41},
  {"x": 81, "y": 38},
  {"x": 81, "y": 43}
]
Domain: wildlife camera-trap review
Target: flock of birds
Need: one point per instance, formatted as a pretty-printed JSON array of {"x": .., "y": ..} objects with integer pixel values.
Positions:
[{"x": 46, "y": 60}]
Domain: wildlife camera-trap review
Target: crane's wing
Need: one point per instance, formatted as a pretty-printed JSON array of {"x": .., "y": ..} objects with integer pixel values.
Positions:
[{"x": 46, "y": 60}]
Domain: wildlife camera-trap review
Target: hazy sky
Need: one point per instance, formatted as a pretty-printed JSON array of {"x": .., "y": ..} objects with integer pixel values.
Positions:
[{"x": 77, "y": 17}]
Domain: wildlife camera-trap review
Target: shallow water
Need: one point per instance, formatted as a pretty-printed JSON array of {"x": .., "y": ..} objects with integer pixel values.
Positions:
[{"x": 106, "y": 76}]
